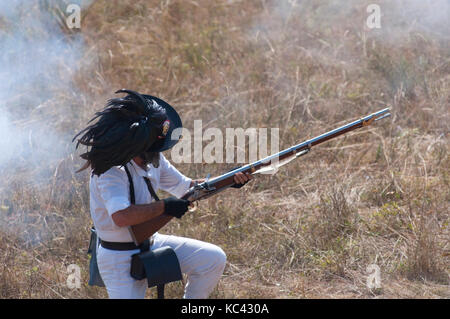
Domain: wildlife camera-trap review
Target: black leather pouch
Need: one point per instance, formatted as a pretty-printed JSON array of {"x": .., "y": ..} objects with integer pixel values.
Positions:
[{"x": 159, "y": 266}]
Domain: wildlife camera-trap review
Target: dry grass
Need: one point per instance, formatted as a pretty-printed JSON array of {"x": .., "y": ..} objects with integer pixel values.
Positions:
[{"x": 380, "y": 195}]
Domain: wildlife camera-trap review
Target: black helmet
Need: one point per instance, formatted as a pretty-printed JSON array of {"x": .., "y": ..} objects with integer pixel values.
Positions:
[
  {"x": 169, "y": 138},
  {"x": 126, "y": 128}
]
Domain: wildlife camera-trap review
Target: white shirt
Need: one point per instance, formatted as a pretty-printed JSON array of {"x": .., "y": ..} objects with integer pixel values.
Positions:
[{"x": 110, "y": 192}]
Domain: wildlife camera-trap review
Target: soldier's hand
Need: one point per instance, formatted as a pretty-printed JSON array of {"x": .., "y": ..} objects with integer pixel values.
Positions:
[{"x": 240, "y": 179}]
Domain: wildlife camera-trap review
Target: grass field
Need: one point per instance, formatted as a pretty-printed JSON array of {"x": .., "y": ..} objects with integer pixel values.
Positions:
[{"x": 379, "y": 195}]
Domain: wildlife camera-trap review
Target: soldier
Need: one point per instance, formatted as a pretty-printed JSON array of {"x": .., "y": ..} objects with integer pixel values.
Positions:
[{"x": 125, "y": 143}]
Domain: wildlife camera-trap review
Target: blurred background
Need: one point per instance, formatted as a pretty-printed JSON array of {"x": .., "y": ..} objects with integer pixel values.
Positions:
[{"x": 379, "y": 195}]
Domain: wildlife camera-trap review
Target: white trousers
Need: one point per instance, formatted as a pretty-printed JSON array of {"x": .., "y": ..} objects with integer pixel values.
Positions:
[{"x": 202, "y": 262}]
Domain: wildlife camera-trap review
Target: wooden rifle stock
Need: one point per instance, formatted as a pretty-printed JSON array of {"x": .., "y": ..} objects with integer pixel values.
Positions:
[{"x": 145, "y": 230}]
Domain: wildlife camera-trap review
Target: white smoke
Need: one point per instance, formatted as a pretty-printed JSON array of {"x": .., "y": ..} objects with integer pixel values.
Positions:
[
  {"x": 303, "y": 40},
  {"x": 39, "y": 57},
  {"x": 294, "y": 19},
  {"x": 399, "y": 18},
  {"x": 37, "y": 64},
  {"x": 427, "y": 16}
]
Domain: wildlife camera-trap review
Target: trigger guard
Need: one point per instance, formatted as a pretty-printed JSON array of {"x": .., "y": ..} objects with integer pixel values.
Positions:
[{"x": 193, "y": 207}]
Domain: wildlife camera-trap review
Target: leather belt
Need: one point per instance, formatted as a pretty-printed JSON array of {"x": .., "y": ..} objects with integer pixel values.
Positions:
[{"x": 125, "y": 246}]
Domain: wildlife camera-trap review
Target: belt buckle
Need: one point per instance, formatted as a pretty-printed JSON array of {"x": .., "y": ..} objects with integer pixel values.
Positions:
[{"x": 151, "y": 242}]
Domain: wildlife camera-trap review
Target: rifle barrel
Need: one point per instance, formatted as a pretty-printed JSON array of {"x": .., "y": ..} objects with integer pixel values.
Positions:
[{"x": 306, "y": 145}]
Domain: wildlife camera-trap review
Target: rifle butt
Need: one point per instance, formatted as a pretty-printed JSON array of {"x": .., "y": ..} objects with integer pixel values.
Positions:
[{"x": 145, "y": 230}]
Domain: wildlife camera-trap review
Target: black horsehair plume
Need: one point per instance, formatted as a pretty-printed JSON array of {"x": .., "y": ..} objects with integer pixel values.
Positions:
[{"x": 127, "y": 127}]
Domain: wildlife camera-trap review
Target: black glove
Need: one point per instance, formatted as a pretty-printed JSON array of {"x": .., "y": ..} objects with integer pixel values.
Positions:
[{"x": 175, "y": 207}]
